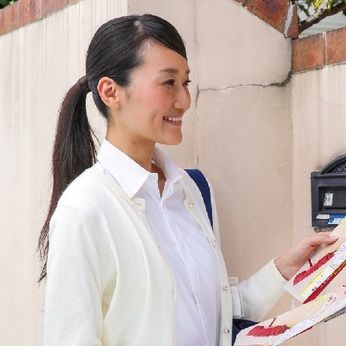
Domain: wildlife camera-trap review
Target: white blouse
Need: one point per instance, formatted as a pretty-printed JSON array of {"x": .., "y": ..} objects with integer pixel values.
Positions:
[{"x": 181, "y": 240}]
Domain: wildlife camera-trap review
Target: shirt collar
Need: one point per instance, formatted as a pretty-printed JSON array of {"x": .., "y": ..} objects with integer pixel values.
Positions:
[
  {"x": 170, "y": 169},
  {"x": 128, "y": 173}
]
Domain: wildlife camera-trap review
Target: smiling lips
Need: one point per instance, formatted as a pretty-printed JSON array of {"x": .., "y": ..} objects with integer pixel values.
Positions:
[{"x": 173, "y": 120}]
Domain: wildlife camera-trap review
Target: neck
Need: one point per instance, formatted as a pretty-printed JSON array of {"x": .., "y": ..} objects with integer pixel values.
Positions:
[{"x": 139, "y": 152}]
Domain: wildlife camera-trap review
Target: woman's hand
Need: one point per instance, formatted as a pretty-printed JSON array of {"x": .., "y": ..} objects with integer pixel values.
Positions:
[{"x": 289, "y": 263}]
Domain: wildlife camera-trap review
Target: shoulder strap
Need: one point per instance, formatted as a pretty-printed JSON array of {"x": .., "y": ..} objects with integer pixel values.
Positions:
[{"x": 202, "y": 183}]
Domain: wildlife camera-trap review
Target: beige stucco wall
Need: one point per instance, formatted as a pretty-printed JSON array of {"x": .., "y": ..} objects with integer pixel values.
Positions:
[
  {"x": 318, "y": 109},
  {"x": 257, "y": 143}
]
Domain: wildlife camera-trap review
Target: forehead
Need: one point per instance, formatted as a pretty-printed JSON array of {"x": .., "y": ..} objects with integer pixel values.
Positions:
[{"x": 160, "y": 59}]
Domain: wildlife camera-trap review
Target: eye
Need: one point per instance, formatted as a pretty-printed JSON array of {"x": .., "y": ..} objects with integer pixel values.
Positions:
[
  {"x": 169, "y": 82},
  {"x": 172, "y": 82},
  {"x": 187, "y": 82}
]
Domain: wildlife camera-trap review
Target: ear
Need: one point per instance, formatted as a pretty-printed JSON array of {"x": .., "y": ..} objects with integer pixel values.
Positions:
[{"x": 109, "y": 92}]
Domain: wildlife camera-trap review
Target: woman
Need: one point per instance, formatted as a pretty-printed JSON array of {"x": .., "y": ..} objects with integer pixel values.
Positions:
[{"x": 132, "y": 258}]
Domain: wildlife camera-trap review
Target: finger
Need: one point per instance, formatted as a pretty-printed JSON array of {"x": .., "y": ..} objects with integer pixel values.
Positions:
[{"x": 320, "y": 239}]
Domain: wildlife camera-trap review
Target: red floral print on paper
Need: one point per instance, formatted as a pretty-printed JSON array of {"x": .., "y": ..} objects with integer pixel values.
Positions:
[
  {"x": 268, "y": 331},
  {"x": 304, "y": 274}
]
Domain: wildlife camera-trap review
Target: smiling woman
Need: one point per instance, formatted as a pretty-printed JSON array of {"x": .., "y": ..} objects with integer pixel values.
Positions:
[
  {"x": 128, "y": 262},
  {"x": 111, "y": 66}
]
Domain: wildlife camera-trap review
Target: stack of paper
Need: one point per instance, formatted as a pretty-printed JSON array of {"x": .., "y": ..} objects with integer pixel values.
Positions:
[{"x": 309, "y": 287}]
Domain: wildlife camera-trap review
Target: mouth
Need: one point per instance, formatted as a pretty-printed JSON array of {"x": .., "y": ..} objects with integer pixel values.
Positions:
[{"x": 173, "y": 120}]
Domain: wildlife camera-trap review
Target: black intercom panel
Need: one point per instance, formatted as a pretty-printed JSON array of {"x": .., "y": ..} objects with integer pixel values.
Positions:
[{"x": 328, "y": 194}]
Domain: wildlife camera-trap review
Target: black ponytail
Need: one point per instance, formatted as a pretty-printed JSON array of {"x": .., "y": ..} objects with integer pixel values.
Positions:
[{"x": 73, "y": 152}]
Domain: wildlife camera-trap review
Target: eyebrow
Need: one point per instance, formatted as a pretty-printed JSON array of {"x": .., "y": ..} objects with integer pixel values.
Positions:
[{"x": 172, "y": 70}]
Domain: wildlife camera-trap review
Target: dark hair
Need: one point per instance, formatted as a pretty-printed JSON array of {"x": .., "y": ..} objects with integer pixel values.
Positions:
[{"x": 114, "y": 52}]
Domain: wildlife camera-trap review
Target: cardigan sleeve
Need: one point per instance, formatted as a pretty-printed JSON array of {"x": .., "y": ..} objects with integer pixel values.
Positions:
[
  {"x": 73, "y": 301},
  {"x": 262, "y": 291}
]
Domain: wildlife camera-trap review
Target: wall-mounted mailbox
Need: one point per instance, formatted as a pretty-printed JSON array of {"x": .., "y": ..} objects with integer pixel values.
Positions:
[{"x": 328, "y": 194}]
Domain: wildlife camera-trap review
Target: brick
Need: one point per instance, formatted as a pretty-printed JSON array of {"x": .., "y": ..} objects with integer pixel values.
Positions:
[
  {"x": 293, "y": 31},
  {"x": 273, "y": 12},
  {"x": 1, "y": 22},
  {"x": 50, "y": 6},
  {"x": 336, "y": 46},
  {"x": 29, "y": 11},
  {"x": 308, "y": 53},
  {"x": 10, "y": 18}
]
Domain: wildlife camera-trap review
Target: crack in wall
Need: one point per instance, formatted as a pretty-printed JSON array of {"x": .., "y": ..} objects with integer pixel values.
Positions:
[
  {"x": 199, "y": 90},
  {"x": 230, "y": 87}
]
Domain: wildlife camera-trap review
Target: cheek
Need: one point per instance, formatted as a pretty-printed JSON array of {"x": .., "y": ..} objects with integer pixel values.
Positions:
[{"x": 156, "y": 98}]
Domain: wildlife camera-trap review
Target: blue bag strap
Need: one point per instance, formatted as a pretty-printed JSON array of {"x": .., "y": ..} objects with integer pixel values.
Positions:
[{"x": 202, "y": 183}]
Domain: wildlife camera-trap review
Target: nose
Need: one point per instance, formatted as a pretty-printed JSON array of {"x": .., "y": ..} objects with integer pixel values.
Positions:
[{"x": 183, "y": 99}]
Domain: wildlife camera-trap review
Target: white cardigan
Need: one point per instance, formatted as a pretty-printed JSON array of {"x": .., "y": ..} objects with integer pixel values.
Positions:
[{"x": 108, "y": 283}]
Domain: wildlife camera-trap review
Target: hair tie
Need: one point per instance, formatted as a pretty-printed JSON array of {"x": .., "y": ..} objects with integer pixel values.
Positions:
[{"x": 83, "y": 84}]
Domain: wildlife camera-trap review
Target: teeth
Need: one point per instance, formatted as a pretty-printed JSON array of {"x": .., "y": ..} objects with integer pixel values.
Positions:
[{"x": 173, "y": 118}]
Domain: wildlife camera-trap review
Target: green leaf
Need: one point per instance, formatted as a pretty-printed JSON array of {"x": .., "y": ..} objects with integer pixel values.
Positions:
[{"x": 318, "y": 3}]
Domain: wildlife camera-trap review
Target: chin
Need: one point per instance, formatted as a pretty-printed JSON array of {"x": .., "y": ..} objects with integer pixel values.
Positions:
[{"x": 172, "y": 141}]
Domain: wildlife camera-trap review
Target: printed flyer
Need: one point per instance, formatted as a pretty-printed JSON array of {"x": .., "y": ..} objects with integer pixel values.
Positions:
[
  {"x": 309, "y": 286},
  {"x": 320, "y": 270},
  {"x": 283, "y": 327}
]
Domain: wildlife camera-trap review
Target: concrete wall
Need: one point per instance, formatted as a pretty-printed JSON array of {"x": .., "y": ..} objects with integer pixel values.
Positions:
[
  {"x": 318, "y": 109},
  {"x": 244, "y": 131}
]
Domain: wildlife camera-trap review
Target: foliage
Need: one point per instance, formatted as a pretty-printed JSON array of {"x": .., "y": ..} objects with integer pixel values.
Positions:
[
  {"x": 4, "y": 3},
  {"x": 313, "y": 11},
  {"x": 309, "y": 7}
]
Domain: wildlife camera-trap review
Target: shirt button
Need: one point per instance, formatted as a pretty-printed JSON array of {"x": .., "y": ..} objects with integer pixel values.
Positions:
[
  {"x": 213, "y": 242},
  {"x": 191, "y": 205},
  {"x": 225, "y": 288},
  {"x": 226, "y": 330}
]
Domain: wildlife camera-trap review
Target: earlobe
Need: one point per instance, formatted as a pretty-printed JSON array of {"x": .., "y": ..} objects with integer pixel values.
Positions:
[{"x": 109, "y": 92}]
